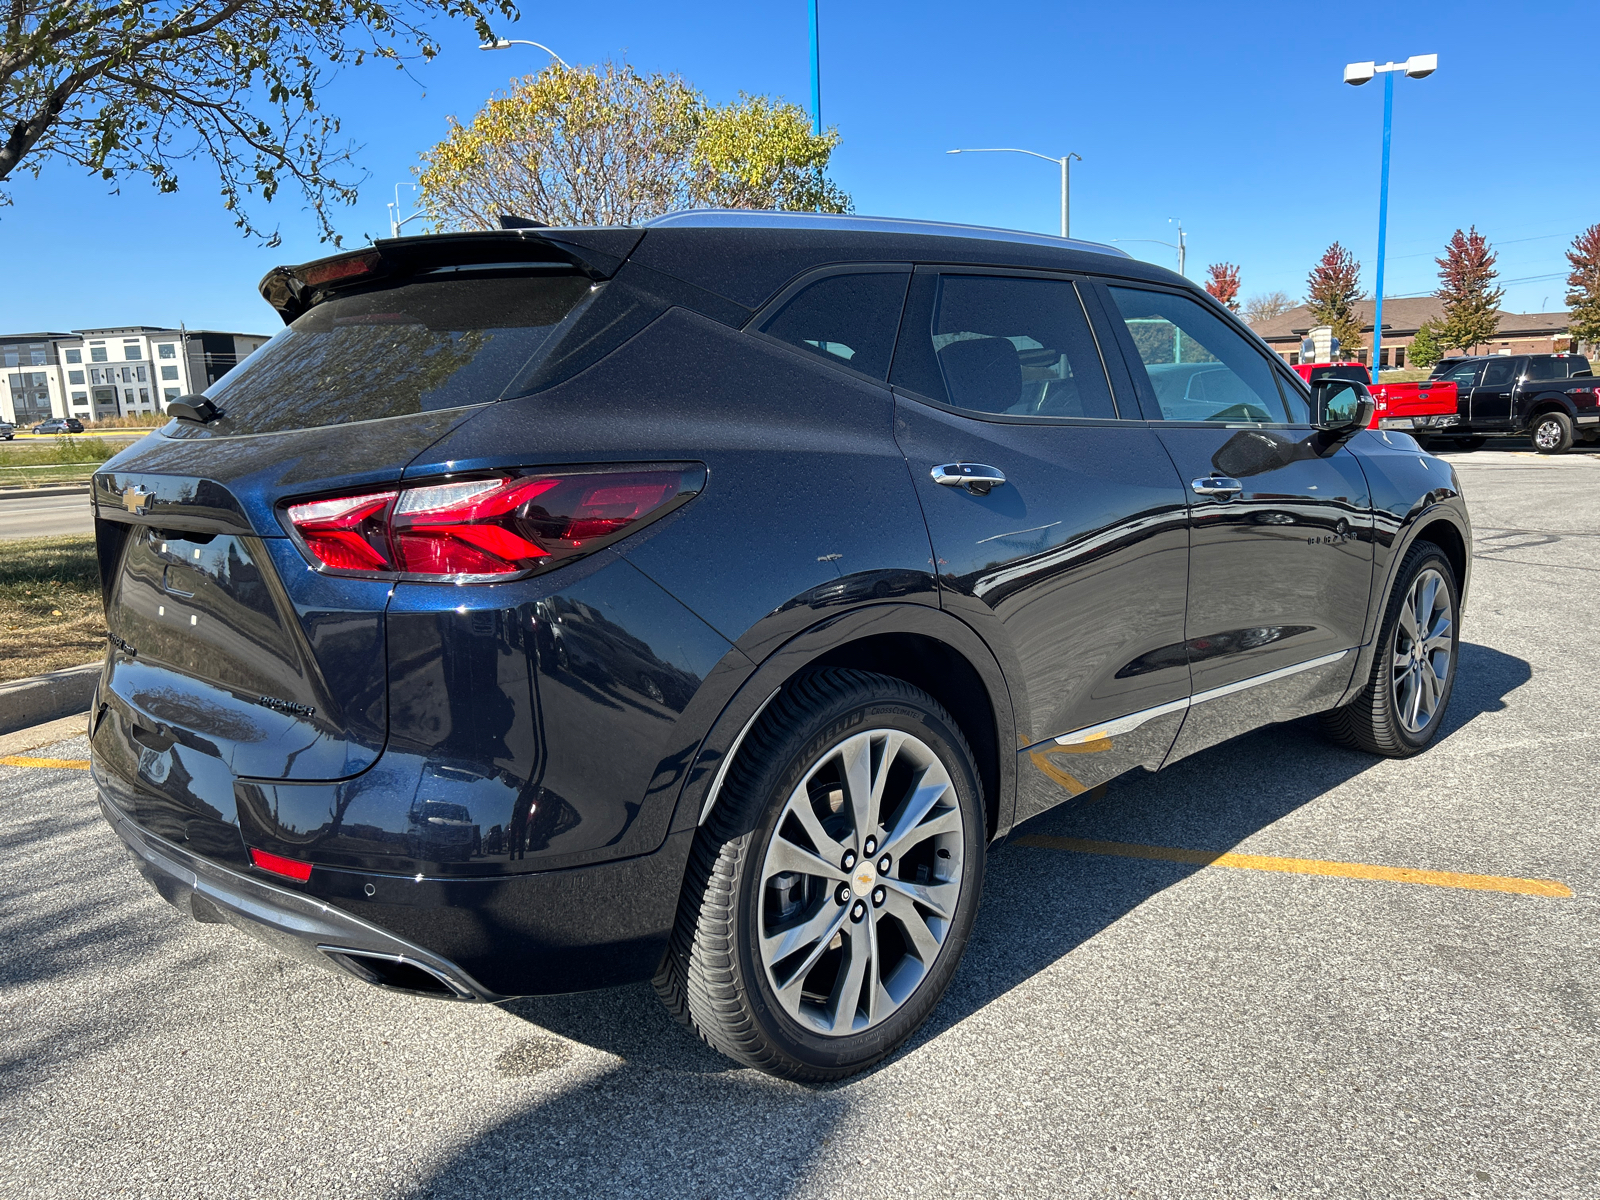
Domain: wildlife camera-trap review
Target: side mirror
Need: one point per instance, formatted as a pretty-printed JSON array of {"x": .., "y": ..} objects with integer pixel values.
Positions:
[{"x": 1341, "y": 407}]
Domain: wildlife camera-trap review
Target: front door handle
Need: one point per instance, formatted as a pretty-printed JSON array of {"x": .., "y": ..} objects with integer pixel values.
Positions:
[
  {"x": 1219, "y": 486},
  {"x": 975, "y": 477}
]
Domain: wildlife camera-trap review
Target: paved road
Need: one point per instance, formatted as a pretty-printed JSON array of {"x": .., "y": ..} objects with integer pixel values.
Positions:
[
  {"x": 1120, "y": 1027},
  {"x": 29, "y": 514}
]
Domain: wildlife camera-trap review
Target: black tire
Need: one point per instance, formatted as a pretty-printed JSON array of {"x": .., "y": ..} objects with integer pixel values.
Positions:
[
  {"x": 1551, "y": 432},
  {"x": 714, "y": 978},
  {"x": 1470, "y": 443},
  {"x": 1373, "y": 721}
]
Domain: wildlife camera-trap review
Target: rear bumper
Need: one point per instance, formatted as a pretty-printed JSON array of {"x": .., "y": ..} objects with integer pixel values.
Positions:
[
  {"x": 296, "y": 925},
  {"x": 455, "y": 939},
  {"x": 1427, "y": 421}
]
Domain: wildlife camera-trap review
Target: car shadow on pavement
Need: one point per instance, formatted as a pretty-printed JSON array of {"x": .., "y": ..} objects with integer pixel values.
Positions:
[{"x": 630, "y": 1131}]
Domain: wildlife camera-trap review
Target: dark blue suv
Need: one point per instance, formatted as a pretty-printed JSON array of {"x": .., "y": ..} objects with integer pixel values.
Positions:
[{"x": 548, "y": 609}]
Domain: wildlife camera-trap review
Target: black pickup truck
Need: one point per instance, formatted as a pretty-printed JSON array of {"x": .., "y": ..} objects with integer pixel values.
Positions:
[{"x": 1553, "y": 398}]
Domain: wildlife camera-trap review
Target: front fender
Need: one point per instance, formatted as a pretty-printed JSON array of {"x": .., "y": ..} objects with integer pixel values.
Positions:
[{"x": 1412, "y": 492}]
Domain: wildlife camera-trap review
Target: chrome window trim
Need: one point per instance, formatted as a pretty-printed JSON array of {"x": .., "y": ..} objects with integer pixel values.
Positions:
[{"x": 1132, "y": 721}]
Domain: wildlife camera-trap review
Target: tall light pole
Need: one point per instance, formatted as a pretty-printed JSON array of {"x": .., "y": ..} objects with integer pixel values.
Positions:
[
  {"x": 1181, "y": 245},
  {"x": 503, "y": 43},
  {"x": 1066, "y": 176},
  {"x": 816, "y": 76},
  {"x": 1418, "y": 66},
  {"x": 396, "y": 221}
]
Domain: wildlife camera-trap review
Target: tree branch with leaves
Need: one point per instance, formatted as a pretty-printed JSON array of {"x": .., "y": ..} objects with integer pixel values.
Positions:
[
  {"x": 1332, "y": 291},
  {"x": 1583, "y": 300},
  {"x": 606, "y": 145},
  {"x": 1471, "y": 302},
  {"x": 145, "y": 88}
]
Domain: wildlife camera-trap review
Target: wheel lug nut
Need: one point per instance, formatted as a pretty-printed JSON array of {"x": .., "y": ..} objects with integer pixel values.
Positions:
[
  {"x": 859, "y": 911},
  {"x": 879, "y": 895},
  {"x": 849, "y": 859},
  {"x": 843, "y": 894},
  {"x": 871, "y": 845},
  {"x": 884, "y": 864}
]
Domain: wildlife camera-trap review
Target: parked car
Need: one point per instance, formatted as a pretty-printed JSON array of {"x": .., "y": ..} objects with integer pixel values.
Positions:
[
  {"x": 1552, "y": 398},
  {"x": 59, "y": 425},
  {"x": 745, "y": 576},
  {"x": 7, "y": 431},
  {"x": 1428, "y": 407}
]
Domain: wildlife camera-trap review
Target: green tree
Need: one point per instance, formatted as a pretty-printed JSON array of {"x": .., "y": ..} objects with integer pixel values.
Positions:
[
  {"x": 607, "y": 145},
  {"x": 1466, "y": 287},
  {"x": 133, "y": 87},
  {"x": 1584, "y": 299},
  {"x": 1332, "y": 291},
  {"x": 1425, "y": 348}
]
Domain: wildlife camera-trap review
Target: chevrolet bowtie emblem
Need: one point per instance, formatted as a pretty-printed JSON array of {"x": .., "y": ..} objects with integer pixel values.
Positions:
[{"x": 135, "y": 498}]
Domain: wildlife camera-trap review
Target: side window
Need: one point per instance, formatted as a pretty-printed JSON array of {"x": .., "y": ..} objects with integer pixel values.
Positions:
[
  {"x": 1296, "y": 396},
  {"x": 1540, "y": 367},
  {"x": 1005, "y": 345},
  {"x": 1198, "y": 369},
  {"x": 1499, "y": 372},
  {"x": 850, "y": 319},
  {"x": 1464, "y": 377}
]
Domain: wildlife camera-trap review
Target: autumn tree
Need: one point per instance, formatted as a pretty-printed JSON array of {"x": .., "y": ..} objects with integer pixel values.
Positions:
[
  {"x": 606, "y": 145},
  {"x": 142, "y": 88},
  {"x": 1222, "y": 281},
  {"x": 1332, "y": 291},
  {"x": 1425, "y": 348},
  {"x": 1584, "y": 299},
  {"x": 1466, "y": 288},
  {"x": 1264, "y": 306}
]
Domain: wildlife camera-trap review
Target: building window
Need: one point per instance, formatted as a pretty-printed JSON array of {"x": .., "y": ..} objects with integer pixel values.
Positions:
[
  {"x": 38, "y": 355},
  {"x": 167, "y": 350},
  {"x": 144, "y": 395},
  {"x": 169, "y": 372},
  {"x": 169, "y": 393},
  {"x": 97, "y": 354},
  {"x": 80, "y": 397},
  {"x": 75, "y": 356},
  {"x": 10, "y": 353},
  {"x": 74, "y": 376},
  {"x": 130, "y": 352},
  {"x": 127, "y": 396},
  {"x": 140, "y": 372}
]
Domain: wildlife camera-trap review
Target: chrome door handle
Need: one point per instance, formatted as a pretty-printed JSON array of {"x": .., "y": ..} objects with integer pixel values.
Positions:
[
  {"x": 975, "y": 477},
  {"x": 1217, "y": 485}
]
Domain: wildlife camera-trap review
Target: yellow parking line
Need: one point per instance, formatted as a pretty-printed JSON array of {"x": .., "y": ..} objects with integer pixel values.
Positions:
[
  {"x": 19, "y": 760},
  {"x": 1304, "y": 866}
]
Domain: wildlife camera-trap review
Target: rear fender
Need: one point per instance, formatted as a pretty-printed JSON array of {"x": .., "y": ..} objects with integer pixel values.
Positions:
[{"x": 830, "y": 642}]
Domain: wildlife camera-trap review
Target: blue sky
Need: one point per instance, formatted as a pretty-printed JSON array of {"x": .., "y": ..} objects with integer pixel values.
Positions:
[{"x": 1232, "y": 117}]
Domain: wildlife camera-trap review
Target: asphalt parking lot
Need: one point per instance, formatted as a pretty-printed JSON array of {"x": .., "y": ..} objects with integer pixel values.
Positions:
[{"x": 1124, "y": 1024}]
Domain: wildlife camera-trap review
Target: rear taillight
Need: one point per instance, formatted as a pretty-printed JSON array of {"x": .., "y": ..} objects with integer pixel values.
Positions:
[
  {"x": 484, "y": 529},
  {"x": 289, "y": 868}
]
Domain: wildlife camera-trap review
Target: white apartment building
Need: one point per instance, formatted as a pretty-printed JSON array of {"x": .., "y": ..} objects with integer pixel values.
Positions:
[{"x": 114, "y": 372}]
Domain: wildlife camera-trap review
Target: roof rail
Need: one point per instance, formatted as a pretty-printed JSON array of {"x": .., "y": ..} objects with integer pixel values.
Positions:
[{"x": 743, "y": 218}]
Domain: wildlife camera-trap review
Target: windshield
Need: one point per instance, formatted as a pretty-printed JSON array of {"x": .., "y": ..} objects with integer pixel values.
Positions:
[{"x": 422, "y": 345}]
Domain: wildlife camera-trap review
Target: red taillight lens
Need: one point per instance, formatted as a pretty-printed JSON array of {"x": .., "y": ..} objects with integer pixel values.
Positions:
[
  {"x": 346, "y": 534},
  {"x": 478, "y": 529},
  {"x": 279, "y": 865}
]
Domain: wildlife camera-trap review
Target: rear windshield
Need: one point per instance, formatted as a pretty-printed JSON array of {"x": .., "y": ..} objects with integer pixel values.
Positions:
[
  {"x": 426, "y": 344},
  {"x": 1357, "y": 374}
]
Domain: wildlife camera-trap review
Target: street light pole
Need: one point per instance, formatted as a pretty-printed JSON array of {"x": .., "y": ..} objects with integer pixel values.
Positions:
[
  {"x": 1418, "y": 66},
  {"x": 1066, "y": 176},
  {"x": 1181, "y": 245},
  {"x": 503, "y": 43},
  {"x": 816, "y": 76}
]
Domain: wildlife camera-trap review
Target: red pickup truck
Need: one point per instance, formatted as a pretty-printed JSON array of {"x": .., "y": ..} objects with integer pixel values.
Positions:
[{"x": 1417, "y": 407}]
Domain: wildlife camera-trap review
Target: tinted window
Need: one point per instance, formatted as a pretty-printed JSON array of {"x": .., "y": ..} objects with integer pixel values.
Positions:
[
  {"x": 424, "y": 345},
  {"x": 1499, "y": 372},
  {"x": 1198, "y": 368},
  {"x": 849, "y": 319},
  {"x": 1358, "y": 374},
  {"x": 1015, "y": 346},
  {"x": 1541, "y": 367}
]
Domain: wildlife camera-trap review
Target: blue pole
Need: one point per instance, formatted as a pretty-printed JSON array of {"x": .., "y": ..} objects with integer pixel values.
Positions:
[
  {"x": 1383, "y": 218},
  {"x": 816, "y": 77}
]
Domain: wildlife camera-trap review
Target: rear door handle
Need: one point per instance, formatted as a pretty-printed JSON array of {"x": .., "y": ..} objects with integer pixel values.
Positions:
[
  {"x": 1217, "y": 485},
  {"x": 975, "y": 477}
]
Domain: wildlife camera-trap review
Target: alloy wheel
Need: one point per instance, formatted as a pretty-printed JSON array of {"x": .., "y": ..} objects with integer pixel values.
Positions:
[
  {"x": 860, "y": 882},
  {"x": 1547, "y": 435},
  {"x": 1424, "y": 645}
]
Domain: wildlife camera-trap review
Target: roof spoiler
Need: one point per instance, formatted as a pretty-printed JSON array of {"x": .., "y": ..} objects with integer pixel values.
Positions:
[{"x": 597, "y": 253}]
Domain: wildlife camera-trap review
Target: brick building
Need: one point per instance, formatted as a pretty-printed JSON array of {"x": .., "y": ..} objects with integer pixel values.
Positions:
[{"x": 1520, "y": 333}]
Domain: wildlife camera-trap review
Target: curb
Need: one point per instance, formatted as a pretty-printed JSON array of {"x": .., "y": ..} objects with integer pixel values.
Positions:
[
  {"x": 36, "y": 737},
  {"x": 23, "y": 490},
  {"x": 28, "y": 702}
]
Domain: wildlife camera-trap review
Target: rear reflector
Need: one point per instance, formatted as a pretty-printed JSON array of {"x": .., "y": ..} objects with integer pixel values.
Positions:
[
  {"x": 279, "y": 865},
  {"x": 484, "y": 529}
]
